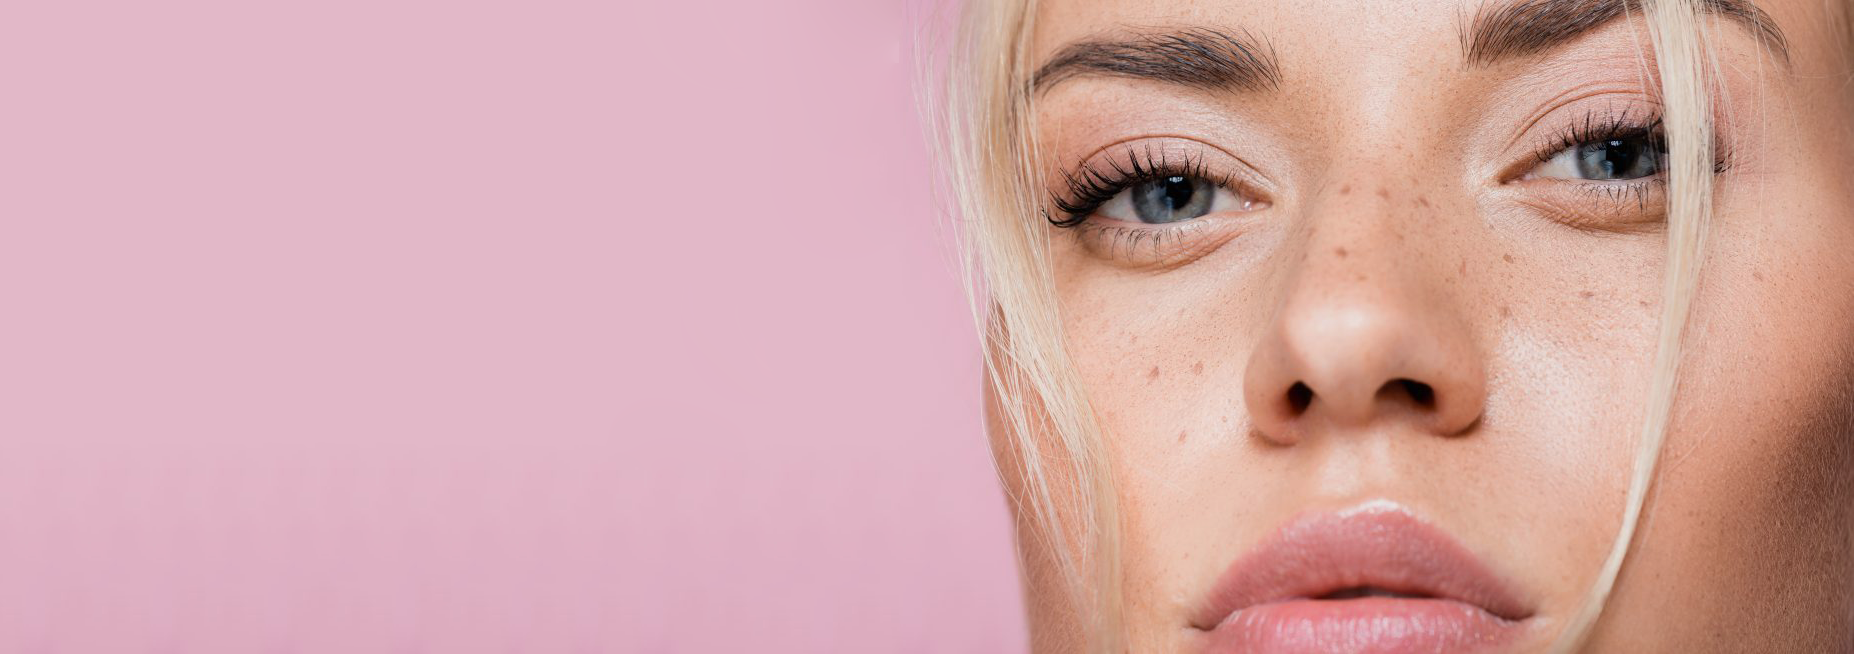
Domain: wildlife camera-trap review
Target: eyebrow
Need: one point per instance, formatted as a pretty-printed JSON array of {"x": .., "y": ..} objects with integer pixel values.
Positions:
[
  {"x": 1216, "y": 60},
  {"x": 1196, "y": 57},
  {"x": 1514, "y": 29}
]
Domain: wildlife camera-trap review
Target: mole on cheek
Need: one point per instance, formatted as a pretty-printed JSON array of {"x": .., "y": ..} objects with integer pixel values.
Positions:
[{"x": 1507, "y": 258}]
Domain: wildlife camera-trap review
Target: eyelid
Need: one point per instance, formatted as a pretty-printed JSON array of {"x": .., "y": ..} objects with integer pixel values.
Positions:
[
  {"x": 1634, "y": 206},
  {"x": 1577, "y": 96},
  {"x": 1181, "y": 144},
  {"x": 1156, "y": 247}
]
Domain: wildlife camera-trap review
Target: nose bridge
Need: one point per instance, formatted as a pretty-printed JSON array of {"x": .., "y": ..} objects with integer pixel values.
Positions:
[
  {"x": 1365, "y": 322},
  {"x": 1369, "y": 244}
]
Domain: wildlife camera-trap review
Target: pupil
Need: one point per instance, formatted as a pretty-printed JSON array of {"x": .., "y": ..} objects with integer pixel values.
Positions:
[
  {"x": 1621, "y": 157},
  {"x": 1177, "y": 192}
]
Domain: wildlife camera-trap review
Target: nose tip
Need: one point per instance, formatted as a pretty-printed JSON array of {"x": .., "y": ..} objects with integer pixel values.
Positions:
[{"x": 1337, "y": 363}]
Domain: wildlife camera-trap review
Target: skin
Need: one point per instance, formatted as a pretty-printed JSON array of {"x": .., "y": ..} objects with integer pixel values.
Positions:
[{"x": 1391, "y": 242}]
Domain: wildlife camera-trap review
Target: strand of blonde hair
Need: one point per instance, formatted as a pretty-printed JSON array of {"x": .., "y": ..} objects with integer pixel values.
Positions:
[{"x": 1680, "y": 56}]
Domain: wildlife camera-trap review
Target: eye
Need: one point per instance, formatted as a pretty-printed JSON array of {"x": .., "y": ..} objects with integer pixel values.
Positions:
[
  {"x": 1609, "y": 159},
  {"x": 1169, "y": 199}
]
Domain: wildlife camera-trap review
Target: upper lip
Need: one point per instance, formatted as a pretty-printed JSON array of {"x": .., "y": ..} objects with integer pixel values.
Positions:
[{"x": 1378, "y": 546}]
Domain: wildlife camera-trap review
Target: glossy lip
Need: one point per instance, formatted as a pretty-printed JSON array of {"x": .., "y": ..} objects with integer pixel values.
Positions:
[{"x": 1279, "y": 591}]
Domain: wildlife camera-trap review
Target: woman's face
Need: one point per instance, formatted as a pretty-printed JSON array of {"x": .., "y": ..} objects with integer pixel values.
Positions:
[{"x": 1376, "y": 318}]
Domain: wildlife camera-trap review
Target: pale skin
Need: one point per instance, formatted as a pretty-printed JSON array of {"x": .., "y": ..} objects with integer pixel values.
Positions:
[{"x": 1397, "y": 230}]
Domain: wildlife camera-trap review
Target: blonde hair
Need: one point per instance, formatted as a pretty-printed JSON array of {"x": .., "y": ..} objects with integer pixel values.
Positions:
[
  {"x": 991, "y": 162},
  {"x": 985, "y": 132}
]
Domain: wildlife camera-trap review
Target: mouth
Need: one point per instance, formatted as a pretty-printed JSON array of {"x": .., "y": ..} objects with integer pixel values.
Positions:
[
  {"x": 1369, "y": 591},
  {"x": 1369, "y": 579}
]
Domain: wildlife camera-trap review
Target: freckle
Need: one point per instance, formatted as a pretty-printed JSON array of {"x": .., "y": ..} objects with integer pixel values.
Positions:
[
  {"x": 1198, "y": 368},
  {"x": 1506, "y": 311},
  {"x": 1340, "y": 252},
  {"x": 1643, "y": 303},
  {"x": 1464, "y": 267},
  {"x": 1345, "y": 188},
  {"x": 1585, "y": 294},
  {"x": 1181, "y": 436},
  {"x": 1359, "y": 278},
  {"x": 1757, "y": 275},
  {"x": 1383, "y": 192},
  {"x": 1154, "y": 374},
  {"x": 1507, "y": 257},
  {"x": 1422, "y": 201}
]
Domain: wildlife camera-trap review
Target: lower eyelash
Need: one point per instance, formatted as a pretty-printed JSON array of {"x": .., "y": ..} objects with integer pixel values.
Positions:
[
  {"x": 1621, "y": 193},
  {"x": 1117, "y": 236}
]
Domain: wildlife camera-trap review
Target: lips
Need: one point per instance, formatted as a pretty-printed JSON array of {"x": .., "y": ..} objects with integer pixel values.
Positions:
[{"x": 1371, "y": 579}]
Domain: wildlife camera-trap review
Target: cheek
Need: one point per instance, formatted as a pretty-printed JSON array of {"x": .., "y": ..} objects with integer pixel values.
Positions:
[
  {"x": 1163, "y": 361},
  {"x": 1162, "y": 358},
  {"x": 1751, "y": 521}
]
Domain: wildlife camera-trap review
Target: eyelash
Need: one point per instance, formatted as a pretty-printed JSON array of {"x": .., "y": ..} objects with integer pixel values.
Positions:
[
  {"x": 1603, "y": 126},
  {"x": 1088, "y": 189}
]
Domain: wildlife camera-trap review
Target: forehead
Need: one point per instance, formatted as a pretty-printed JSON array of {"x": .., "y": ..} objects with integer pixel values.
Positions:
[{"x": 1285, "y": 24}]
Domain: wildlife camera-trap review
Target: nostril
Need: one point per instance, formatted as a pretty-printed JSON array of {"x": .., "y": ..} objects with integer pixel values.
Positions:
[
  {"x": 1299, "y": 397},
  {"x": 1419, "y": 392}
]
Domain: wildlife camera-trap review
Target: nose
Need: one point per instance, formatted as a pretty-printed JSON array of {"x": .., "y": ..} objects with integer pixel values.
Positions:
[{"x": 1364, "y": 337}]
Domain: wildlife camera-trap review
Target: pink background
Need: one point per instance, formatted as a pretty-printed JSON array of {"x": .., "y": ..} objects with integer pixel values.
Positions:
[{"x": 451, "y": 327}]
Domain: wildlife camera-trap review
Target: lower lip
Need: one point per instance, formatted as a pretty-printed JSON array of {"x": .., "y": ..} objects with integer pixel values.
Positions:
[{"x": 1365, "y": 625}]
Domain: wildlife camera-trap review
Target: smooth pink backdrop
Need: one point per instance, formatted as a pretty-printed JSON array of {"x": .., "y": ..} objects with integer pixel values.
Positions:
[{"x": 454, "y": 327}]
